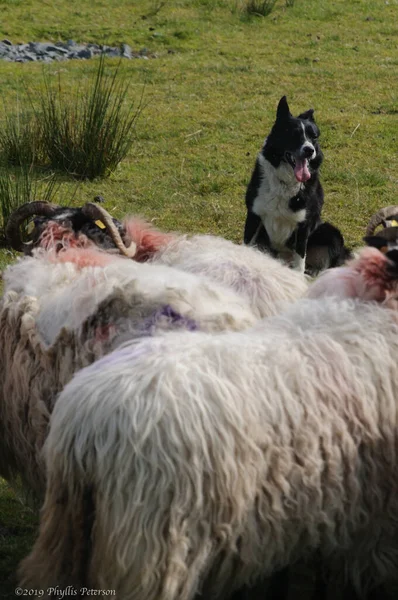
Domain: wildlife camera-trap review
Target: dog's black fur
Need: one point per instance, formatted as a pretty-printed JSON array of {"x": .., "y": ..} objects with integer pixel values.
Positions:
[{"x": 284, "y": 198}]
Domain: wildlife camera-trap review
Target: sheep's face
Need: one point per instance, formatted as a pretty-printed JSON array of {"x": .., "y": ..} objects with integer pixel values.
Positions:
[{"x": 68, "y": 227}]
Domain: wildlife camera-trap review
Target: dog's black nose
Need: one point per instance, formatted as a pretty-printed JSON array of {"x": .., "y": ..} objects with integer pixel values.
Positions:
[{"x": 307, "y": 151}]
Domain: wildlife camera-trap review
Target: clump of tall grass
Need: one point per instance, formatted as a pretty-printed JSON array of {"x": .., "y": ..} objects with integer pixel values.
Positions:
[
  {"x": 19, "y": 186},
  {"x": 90, "y": 136},
  {"x": 21, "y": 140},
  {"x": 259, "y": 7},
  {"x": 85, "y": 135}
]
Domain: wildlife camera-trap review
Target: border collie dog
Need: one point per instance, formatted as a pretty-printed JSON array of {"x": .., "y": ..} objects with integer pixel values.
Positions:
[{"x": 284, "y": 198}]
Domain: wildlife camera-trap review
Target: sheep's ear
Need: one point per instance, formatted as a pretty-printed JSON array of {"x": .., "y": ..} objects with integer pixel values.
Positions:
[
  {"x": 307, "y": 115},
  {"x": 283, "y": 112},
  {"x": 376, "y": 241}
]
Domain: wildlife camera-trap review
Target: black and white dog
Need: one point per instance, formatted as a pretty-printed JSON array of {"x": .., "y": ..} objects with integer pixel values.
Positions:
[{"x": 284, "y": 198}]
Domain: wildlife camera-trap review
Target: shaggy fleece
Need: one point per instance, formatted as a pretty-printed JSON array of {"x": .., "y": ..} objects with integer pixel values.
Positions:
[
  {"x": 70, "y": 287},
  {"x": 266, "y": 283},
  {"x": 370, "y": 276},
  {"x": 203, "y": 462},
  {"x": 62, "y": 311},
  {"x": 31, "y": 378}
]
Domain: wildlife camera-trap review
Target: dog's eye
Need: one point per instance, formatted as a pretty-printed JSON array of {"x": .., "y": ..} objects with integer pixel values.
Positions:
[{"x": 312, "y": 133}]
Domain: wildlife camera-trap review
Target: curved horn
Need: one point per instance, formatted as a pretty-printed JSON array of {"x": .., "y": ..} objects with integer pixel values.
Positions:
[
  {"x": 378, "y": 218},
  {"x": 12, "y": 231},
  {"x": 97, "y": 212}
]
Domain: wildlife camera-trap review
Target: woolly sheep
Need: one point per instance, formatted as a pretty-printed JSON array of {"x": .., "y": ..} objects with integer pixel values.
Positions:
[
  {"x": 261, "y": 280},
  {"x": 60, "y": 313},
  {"x": 195, "y": 462},
  {"x": 71, "y": 285},
  {"x": 265, "y": 282}
]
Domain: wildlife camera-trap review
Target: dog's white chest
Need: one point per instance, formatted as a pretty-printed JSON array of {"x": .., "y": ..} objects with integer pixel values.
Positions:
[{"x": 277, "y": 187}]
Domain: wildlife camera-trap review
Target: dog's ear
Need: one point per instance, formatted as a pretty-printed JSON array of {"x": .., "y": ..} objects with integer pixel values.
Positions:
[
  {"x": 283, "y": 112},
  {"x": 308, "y": 115},
  {"x": 377, "y": 241}
]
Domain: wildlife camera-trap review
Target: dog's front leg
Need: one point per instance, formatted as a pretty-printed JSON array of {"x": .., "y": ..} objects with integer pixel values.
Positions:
[
  {"x": 300, "y": 247},
  {"x": 252, "y": 228}
]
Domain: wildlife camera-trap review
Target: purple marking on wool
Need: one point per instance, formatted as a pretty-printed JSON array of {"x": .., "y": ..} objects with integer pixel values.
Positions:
[{"x": 175, "y": 319}]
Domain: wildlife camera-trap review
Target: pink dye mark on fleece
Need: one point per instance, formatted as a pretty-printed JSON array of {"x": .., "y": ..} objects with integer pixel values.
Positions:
[
  {"x": 85, "y": 257},
  {"x": 366, "y": 277},
  {"x": 104, "y": 333},
  {"x": 56, "y": 237},
  {"x": 148, "y": 239}
]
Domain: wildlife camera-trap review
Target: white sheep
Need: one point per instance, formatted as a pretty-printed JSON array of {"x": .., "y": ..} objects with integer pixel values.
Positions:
[
  {"x": 71, "y": 285},
  {"x": 265, "y": 282},
  {"x": 200, "y": 463},
  {"x": 61, "y": 312},
  {"x": 104, "y": 299}
]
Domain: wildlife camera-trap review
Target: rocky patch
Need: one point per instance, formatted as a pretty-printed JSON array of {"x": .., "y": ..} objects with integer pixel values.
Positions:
[{"x": 49, "y": 52}]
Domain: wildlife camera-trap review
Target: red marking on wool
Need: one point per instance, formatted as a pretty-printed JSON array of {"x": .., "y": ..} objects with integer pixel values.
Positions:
[
  {"x": 85, "y": 257},
  {"x": 56, "y": 237},
  {"x": 104, "y": 333},
  {"x": 148, "y": 239},
  {"x": 371, "y": 265},
  {"x": 366, "y": 277},
  {"x": 64, "y": 245}
]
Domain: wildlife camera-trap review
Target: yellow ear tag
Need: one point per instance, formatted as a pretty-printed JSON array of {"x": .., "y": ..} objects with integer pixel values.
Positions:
[
  {"x": 100, "y": 224},
  {"x": 394, "y": 223}
]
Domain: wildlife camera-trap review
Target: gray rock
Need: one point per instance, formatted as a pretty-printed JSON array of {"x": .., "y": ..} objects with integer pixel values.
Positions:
[
  {"x": 84, "y": 53},
  {"x": 4, "y": 49},
  {"x": 112, "y": 52},
  {"x": 48, "y": 52},
  {"x": 126, "y": 51},
  {"x": 59, "y": 49},
  {"x": 56, "y": 56},
  {"x": 29, "y": 57}
]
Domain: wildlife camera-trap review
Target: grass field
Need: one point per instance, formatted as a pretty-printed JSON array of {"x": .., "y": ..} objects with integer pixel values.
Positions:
[{"x": 210, "y": 98}]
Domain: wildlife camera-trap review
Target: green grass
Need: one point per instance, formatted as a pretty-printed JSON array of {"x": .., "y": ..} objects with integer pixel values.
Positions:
[
  {"x": 210, "y": 98},
  {"x": 18, "y": 524},
  {"x": 20, "y": 185}
]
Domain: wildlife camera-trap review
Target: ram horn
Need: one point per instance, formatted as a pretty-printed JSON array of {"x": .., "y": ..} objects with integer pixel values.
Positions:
[
  {"x": 13, "y": 233},
  {"x": 379, "y": 217},
  {"x": 97, "y": 212}
]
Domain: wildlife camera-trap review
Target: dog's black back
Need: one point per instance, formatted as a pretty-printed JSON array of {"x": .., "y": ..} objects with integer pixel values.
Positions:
[{"x": 284, "y": 198}]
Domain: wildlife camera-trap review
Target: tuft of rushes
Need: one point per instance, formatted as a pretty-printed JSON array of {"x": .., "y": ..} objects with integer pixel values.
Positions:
[
  {"x": 19, "y": 186},
  {"x": 88, "y": 137},
  {"x": 20, "y": 140},
  {"x": 261, "y": 8}
]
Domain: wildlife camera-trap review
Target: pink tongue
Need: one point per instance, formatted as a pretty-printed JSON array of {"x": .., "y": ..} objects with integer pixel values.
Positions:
[{"x": 301, "y": 170}]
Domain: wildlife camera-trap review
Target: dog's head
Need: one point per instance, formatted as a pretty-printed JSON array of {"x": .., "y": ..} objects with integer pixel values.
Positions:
[{"x": 294, "y": 141}]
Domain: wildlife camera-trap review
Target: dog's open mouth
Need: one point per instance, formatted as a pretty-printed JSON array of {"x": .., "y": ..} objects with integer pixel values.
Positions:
[
  {"x": 290, "y": 159},
  {"x": 299, "y": 166}
]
